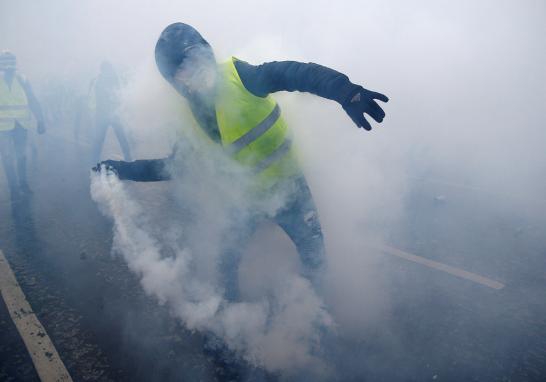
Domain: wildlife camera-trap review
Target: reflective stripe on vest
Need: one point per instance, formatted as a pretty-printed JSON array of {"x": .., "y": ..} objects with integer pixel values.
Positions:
[
  {"x": 13, "y": 105},
  {"x": 256, "y": 131},
  {"x": 276, "y": 155},
  {"x": 252, "y": 129}
]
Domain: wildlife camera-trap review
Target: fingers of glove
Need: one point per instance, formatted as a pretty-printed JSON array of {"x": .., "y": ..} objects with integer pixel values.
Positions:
[
  {"x": 354, "y": 117},
  {"x": 107, "y": 165},
  {"x": 362, "y": 122},
  {"x": 375, "y": 111},
  {"x": 379, "y": 96},
  {"x": 357, "y": 116}
]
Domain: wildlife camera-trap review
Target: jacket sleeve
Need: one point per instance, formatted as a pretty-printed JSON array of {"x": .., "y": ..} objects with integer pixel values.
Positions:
[{"x": 275, "y": 76}]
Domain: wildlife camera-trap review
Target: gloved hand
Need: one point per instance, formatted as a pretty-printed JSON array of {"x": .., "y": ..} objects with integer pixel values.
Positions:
[
  {"x": 362, "y": 101},
  {"x": 40, "y": 127},
  {"x": 109, "y": 165}
]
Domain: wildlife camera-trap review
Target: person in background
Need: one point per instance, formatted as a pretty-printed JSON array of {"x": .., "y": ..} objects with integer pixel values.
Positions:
[
  {"x": 17, "y": 105},
  {"x": 103, "y": 104}
]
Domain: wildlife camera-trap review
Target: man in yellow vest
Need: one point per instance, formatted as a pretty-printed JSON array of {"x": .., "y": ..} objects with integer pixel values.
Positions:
[
  {"x": 232, "y": 105},
  {"x": 17, "y": 102}
]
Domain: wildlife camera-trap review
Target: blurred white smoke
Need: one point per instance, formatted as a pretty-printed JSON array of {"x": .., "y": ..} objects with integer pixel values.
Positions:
[
  {"x": 467, "y": 88},
  {"x": 280, "y": 323},
  {"x": 279, "y": 330}
]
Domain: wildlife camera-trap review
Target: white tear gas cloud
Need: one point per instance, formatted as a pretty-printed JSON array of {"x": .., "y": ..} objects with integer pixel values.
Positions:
[
  {"x": 178, "y": 268},
  {"x": 467, "y": 88}
]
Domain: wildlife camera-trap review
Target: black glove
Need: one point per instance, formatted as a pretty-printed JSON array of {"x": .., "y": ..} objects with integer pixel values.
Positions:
[
  {"x": 362, "y": 101},
  {"x": 109, "y": 165}
]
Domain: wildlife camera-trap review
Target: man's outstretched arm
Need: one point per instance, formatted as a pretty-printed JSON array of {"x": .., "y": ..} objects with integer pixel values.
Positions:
[
  {"x": 275, "y": 76},
  {"x": 143, "y": 170}
]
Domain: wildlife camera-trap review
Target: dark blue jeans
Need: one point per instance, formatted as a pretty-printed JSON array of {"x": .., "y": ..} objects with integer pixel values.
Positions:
[{"x": 299, "y": 219}]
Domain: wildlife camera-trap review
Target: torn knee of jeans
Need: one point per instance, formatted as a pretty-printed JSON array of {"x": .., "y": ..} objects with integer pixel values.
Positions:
[{"x": 310, "y": 217}]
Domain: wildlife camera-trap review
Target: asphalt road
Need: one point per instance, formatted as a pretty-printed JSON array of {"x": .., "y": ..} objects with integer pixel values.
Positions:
[{"x": 439, "y": 327}]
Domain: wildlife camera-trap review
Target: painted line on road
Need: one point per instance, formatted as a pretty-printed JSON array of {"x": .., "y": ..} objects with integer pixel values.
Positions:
[
  {"x": 47, "y": 362},
  {"x": 441, "y": 267}
]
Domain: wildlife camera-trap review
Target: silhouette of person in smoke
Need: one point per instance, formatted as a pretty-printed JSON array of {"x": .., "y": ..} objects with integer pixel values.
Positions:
[{"x": 104, "y": 103}]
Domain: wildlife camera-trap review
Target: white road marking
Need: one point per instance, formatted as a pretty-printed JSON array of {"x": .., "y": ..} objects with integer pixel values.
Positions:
[
  {"x": 46, "y": 360},
  {"x": 441, "y": 267}
]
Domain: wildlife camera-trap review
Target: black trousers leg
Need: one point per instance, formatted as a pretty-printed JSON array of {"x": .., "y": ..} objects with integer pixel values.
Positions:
[
  {"x": 20, "y": 145},
  {"x": 7, "y": 154}
]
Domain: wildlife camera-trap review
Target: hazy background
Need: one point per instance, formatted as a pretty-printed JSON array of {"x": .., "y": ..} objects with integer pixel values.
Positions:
[
  {"x": 460, "y": 153},
  {"x": 466, "y": 80}
]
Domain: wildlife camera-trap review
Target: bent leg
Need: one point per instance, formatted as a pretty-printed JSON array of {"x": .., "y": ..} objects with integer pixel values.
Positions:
[
  {"x": 20, "y": 146},
  {"x": 7, "y": 155},
  {"x": 229, "y": 273},
  {"x": 236, "y": 241},
  {"x": 300, "y": 220}
]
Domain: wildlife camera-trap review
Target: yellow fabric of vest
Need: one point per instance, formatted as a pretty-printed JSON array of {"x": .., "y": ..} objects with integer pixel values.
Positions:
[
  {"x": 13, "y": 105},
  {"x": 253, "y": 130}
]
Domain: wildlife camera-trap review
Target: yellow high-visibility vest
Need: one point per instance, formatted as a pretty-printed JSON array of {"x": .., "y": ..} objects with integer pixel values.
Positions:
[
  {"x": 13, "y": 105},
  {"x": 252, "y": 129}
]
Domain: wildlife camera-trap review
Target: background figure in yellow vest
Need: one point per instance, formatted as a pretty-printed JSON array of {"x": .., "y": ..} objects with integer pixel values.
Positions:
[
  {"x": 17, "y": 102},
  {"x": 104, "y": 103},
  {"x": 232, "y": 104}
]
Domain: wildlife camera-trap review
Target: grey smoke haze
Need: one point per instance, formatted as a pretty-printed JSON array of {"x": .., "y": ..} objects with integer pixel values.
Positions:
[
  {"x": 466, "y": 79},
  {"x": 467, "y": 91},
  {"x": 177, "y": 264}
]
